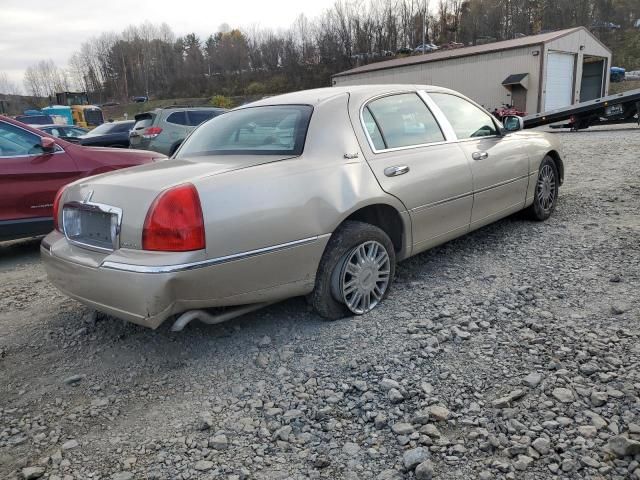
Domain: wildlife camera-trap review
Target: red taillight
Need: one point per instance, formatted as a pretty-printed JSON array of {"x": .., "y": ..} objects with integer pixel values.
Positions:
[
  {"x": 56, "y": 209},
  {"x": 152, "y": 132},
  {"x": 174, "y": 222}
]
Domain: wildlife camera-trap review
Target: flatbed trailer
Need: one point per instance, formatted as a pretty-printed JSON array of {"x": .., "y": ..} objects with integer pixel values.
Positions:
[{"x": 619, "y": 108}]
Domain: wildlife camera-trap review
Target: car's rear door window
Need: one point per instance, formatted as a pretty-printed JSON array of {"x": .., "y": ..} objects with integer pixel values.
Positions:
[
  {"x": 196, "y": 117},
  {"x": 403, "y": 120},
  {"x": 467, "y": 120},
  {"x": 179, "y": 118},
  {"x": 372, "y": 130},
  {"x": 267, "y": 130}
]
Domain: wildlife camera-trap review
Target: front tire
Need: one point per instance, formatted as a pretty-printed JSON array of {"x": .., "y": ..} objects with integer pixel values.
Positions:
[
  {"x": 355, "y": 272},
  {"x": 546, "y": 192}
]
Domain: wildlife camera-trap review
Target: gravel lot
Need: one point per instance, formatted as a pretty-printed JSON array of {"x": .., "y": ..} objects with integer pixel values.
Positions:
[{"x": 513, "y": 352}]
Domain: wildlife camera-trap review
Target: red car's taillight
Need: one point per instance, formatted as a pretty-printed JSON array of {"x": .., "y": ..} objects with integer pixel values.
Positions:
[
  {"x": 174, "y": 222},
  {"x": 56, "y": 209},
  {"x": 152, "y": 132}
]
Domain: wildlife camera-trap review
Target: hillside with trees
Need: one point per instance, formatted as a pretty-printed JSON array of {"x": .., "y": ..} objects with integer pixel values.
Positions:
[{"x": 151, "y": 60}]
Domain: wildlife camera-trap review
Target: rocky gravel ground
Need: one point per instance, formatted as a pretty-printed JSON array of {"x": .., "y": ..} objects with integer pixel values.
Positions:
[{"x": 511, "y": 353}]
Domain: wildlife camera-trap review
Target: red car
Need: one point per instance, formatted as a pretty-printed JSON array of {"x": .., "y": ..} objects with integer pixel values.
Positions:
[{"x": 35, "y": 165}]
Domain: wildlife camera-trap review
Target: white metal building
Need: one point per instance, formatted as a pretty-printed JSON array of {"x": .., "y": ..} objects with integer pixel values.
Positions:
[{"x": 535, "y": 74}]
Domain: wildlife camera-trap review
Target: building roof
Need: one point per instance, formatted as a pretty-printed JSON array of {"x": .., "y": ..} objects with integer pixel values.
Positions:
[{"x": 463, "y": 52}]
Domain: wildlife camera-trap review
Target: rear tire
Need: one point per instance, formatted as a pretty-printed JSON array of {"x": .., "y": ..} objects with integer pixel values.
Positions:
[
  {"x": 346, "y": 286},
  {"x": 546, "y": 191}
]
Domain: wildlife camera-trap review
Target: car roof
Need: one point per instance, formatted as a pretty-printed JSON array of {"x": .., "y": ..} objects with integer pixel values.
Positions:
[{"x": 320, "y": 95}]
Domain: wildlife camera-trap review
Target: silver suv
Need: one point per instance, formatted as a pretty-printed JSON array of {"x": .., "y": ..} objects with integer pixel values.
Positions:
[{"x": 164, "y": 129}]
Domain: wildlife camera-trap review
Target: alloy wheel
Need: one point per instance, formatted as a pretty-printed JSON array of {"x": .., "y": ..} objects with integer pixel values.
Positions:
[
  {"x": 364, "y": 277},
  {"x": 546, "y": 188}
]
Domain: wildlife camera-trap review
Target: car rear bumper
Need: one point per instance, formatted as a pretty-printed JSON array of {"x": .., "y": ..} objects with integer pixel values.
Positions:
[{"x": 149, "y": 294}]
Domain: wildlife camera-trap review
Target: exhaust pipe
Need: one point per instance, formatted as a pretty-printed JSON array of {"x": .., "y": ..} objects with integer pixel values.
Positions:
[{"x": 206, "y": 317}]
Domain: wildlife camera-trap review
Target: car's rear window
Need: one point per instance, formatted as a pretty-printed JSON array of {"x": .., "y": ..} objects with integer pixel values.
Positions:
[
  {"x": 268, "y": 130},
  {"x": 143, "y": 120}
]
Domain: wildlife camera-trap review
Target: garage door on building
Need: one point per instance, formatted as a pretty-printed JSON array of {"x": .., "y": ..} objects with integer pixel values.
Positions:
[{"x": 559, "y": 80}]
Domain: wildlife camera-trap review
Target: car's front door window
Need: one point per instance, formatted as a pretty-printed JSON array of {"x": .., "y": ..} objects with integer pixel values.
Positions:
[
  {"x": 467, "y": 120},
  {"x": 15, "y": 142}
]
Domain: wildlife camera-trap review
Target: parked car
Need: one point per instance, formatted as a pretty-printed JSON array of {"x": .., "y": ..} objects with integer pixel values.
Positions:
[
  {"x": 69, "y": 133},
  {"x": 164, "y": 129},
  {"x": 425, "y": 48},
  {"x": 111, "y": 134},
  {"x": 34, "y": 165},
  {"x": 404, "y": 51},
  {"x": 35, "y": 120},
  {"x": 617, "y": 74},
  {"x": 141, "y": 99},
  {"x": 317, "y": 193}
]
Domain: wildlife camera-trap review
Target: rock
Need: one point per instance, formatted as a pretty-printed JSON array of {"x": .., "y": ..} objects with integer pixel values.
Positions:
[
  {"x": 122, "y": 476},
  {"x": 291, "y": 414},
  {"x": 421, "y": 417},
  {"x": 505, "y": 401},
  {"x": 541, "y": 445},
  {"x": 412, "y": 458},
  {"x": 590, "y": 462},
  {"x": 431, "y": 431},
  {"x": 71, "y": 444},
  {"x": 387, "y": 384},
  {"x": 395, "y": 396},
  {"x": 532, "y": 380},
  {"x": 563, "y": 395},
  {"x": 380, "y": 421},
  {"x": 321, "y": 461},
  {"x": 219, "y": 442},
  {"x": 588, "y": 431},
  {"x": 522, "y": 463},
  {"x": 205, "y": 421},
  {"x": 351, "y": 449},
  {"x": 264, "y": 342},
  {"x": 32, "y": 472},
  {"x": 623, "y": 447},
  {"x": 424, "y": 471},
  {"x": 620, "y": 308},
  {"x": 598, "y": 399},
  {"x": 402, "y": 428},
  {"x": 203, "y": 465},
  {"x": 439, "y": 413},
  {"x": 73, "y": 379},
  {"x": 389, "y": 475}
]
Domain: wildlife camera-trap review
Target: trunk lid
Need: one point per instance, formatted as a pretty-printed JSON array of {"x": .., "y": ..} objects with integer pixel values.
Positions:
[{"x": 132, "y": 190}]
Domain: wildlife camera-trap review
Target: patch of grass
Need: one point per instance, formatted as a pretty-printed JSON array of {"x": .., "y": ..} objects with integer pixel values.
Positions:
[{"x": 623, "y": 86}]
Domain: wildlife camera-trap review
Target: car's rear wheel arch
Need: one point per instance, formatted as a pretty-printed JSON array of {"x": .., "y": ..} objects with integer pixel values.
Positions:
[
  {"x": 386, "y": 218},
  {"x": 555, "y": 156}
]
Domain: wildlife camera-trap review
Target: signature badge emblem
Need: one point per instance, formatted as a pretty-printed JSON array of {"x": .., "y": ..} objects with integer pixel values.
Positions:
[{"x": 87, "y": 199}]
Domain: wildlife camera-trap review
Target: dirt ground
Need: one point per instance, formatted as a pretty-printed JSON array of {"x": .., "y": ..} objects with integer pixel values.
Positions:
[{"x": 512, "y": 352}]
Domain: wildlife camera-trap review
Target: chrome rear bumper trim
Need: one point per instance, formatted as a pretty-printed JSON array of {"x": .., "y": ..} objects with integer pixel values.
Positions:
[{"x": 125, "y": 267}]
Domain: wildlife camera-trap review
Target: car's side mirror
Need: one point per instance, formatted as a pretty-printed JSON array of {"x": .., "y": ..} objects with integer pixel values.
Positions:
[
  {"x": 47, "y": 144},
  {"x": 513, "y": 123}
]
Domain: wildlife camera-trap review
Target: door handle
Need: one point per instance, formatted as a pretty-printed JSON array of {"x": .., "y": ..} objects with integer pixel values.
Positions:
[
  {"x": 396, "y": 170},
  {"x": 480, "y": 155}
]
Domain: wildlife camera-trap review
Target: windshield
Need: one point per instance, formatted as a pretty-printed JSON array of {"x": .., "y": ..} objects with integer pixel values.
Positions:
[
  {"x": 269, "y": 130},
  {"x": 35, "y": 119}
]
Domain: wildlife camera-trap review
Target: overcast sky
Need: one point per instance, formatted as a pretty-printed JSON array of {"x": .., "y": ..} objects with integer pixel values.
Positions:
[{"x": 34, "y": 30}]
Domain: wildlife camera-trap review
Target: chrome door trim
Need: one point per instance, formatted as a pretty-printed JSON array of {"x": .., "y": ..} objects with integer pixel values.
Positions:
[
  {"x": 125, "y": 267},
  {"x": 441, "y": 118},
  {"x": 501, "y": 184},
  {"x": 442, "y": 202}
]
